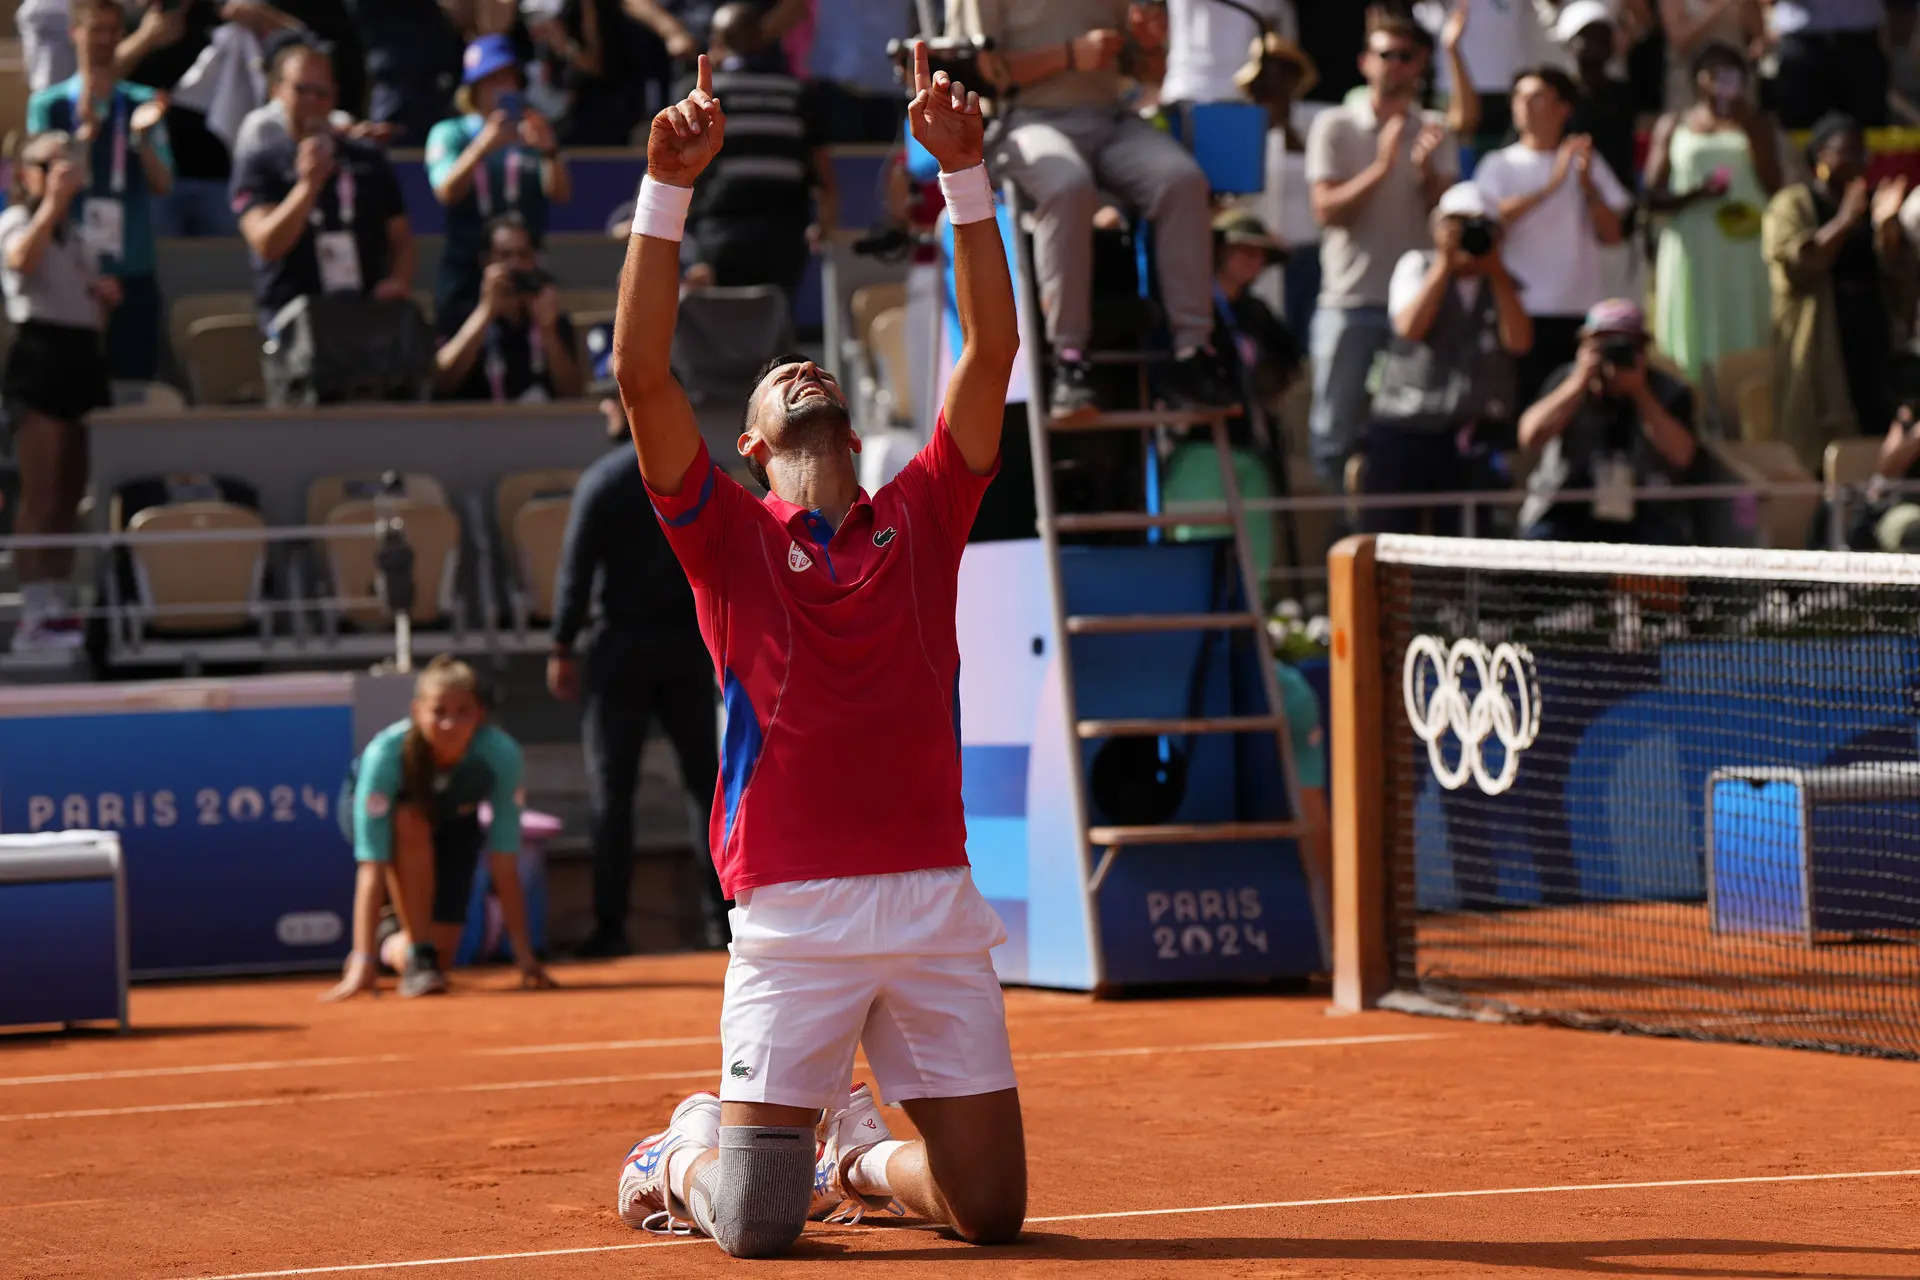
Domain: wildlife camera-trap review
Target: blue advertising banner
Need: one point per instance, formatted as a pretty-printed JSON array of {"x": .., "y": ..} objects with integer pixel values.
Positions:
[{"x": 234, "y": 858}]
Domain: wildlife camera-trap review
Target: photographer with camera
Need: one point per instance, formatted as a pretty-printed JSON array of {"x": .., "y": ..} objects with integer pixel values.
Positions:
[
  {"x": 1609, "y": 423},
  {"x": 320, "y": 211},
  {"x": 1447, "y": 385},
  {"x": 498, "y": 156},
  {"x": 516, "y": 345}
]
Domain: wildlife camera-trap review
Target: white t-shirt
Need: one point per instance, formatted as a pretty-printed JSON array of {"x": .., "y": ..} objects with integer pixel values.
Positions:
[
  {"x": 1552, "y": 251},
  {"x": 1207, "y": 44},
  {"x": 1286, "y": 204}
]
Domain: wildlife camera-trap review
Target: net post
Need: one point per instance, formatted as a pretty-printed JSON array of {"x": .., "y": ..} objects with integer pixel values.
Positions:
[{"x": 1360, "y": 961}]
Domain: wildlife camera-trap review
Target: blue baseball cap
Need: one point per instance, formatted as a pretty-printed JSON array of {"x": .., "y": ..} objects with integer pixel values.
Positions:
[{"x": 485, "y": 56}]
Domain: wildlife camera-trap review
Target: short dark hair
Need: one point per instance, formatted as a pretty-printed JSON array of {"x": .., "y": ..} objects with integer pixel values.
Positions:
[
  {"x": 1554, "y": 78},
  {"x": 754, "y": 469},
  {"x": 1716, "y": 53},
  {"x": 292, "y": 44},
  {"x": 1382, "y": 20}
]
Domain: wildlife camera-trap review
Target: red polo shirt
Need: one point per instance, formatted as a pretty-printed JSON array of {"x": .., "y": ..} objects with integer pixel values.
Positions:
[{"x": 838, "y": 666}]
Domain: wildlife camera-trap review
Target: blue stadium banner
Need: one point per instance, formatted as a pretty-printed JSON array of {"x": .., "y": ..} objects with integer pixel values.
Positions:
[{"x": 223, "y": 794}]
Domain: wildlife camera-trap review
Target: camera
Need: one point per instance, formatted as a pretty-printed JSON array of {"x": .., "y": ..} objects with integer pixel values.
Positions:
[
  {"x": 1476, "y": 237},
  {"x": 958, "y": 56},
  {"x": 1620, "y": 353},
  {"x": 530, "y": 282}
]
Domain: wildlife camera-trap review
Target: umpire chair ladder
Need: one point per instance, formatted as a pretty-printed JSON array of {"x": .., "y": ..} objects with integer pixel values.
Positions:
[{"x": 1101, "y": 845}]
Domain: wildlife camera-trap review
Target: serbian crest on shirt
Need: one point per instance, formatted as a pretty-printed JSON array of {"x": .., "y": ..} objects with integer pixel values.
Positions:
[{"x": 798, "y": 560}]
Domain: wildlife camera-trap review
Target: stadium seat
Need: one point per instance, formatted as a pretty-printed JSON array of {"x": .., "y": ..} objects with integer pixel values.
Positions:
[
  {"x": 432, "y": 530},
  {"x": 892, "y": 379},
  {"x": 183, "y": 311},
  {"x": 222, "y": 357},
  {"x": 518, "y": 488},
  {"x": 327, "y": 492},
  {"x": 1726, "y": 378},
  {"x": 577, "y": 302},
  {"x": 1784, "y": 521},
  {"x": 1755, "y": 399},
  {"x": 723, "y": 336},
  {"x": 1851, "y": 462},
  {"x": 222, "y": 582},
  {"x": 162, "y": 397},
  {"x": 539, "y": 528},
  {"x": 869, "y": 301}
]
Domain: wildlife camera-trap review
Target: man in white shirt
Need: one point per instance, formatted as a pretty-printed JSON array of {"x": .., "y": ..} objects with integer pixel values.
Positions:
[{"x": 1560, "y": 205}]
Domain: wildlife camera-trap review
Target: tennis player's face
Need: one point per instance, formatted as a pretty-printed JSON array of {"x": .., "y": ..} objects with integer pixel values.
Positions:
[
  {"x": 799, "y": 408},
  {"x": 447, "y": 719}
]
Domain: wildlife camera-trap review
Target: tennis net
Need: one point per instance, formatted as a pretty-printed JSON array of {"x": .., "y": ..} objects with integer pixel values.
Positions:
[{"x": 1670, "y": 790}]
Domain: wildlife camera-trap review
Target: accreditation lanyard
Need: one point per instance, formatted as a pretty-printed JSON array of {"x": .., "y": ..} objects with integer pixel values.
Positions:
[
  {"x": 497, "y": 360},
  {"x": 342, "y": 194},
  {"x": 120, "y": 108},
  {"x": 483, "y": 184}
]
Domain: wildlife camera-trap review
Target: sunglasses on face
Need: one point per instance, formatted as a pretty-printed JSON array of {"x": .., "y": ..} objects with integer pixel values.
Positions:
[{"x": 1402, "y": 56}]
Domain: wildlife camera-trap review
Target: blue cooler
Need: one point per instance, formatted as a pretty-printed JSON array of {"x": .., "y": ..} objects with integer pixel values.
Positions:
[
  {"x": 1229, "y": 139},
  {"x": 1814, "y": 851}
]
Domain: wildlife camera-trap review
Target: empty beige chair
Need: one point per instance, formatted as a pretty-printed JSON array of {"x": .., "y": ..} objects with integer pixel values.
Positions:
[
  {"x": 222, "y": 357},
  {"x": 1730, "y": 375},
  {"x": 539, "y": 530},
  {"x": 1756, "y": 409},
  {"x": 187, "y": 587},
  {"x": 887, "y": 348},
  {"x": 198, "y": 306},
  {"x": 1852, "y": 461},
  {"x": 518, "y": 488},
  {"x": 869, "y": 301},
  {"x": 432, "y": 530},
  {"x": 1785, "y": 521},
  {"x": 327, "y": 492}
]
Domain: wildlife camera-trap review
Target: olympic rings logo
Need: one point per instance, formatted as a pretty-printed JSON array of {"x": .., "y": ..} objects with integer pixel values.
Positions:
[{"x": 1505, "y": 706}]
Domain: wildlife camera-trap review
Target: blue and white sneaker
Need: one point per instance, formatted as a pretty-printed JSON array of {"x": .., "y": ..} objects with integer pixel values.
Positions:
[
  {"x": 845, "y": 1135},
  {"x": 645, "y": 1201}
]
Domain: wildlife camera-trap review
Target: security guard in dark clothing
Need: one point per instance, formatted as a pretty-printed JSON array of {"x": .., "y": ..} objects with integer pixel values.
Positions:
[{"x": 644, "y": 659}]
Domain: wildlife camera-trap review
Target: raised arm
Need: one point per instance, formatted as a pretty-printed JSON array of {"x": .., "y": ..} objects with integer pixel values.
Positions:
[
  {"x": 945, "y": 118},
  {"x": 683, "y": 139}
]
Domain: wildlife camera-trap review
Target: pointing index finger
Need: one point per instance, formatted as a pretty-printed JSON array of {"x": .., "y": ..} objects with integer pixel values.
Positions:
[
  {"x": 704, "y": 80},
  {"x": 921, "y": 79}
]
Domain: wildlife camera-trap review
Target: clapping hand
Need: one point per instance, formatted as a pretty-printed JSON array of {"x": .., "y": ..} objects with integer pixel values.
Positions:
[
  {"x": 148, "y": 114},
  {"x": 1887, "y": 199},
  {"x": 686, "y": 135},
  {"x": 945, "y": 116},
  {"x": 1426, "y": 144}
]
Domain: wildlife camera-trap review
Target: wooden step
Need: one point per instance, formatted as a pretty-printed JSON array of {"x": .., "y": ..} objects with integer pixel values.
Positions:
[
  {"x": 1122, "y": 624},
  {"x": 1153, "y": 727},
  {"x": 1134, "y": 419},
  {"x": 1128, "y": 521},
  {"x": 1194, "y": 833}
]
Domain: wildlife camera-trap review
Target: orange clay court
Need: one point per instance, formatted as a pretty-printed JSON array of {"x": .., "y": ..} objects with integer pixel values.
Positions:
[{"x": 242, "y": 1129}]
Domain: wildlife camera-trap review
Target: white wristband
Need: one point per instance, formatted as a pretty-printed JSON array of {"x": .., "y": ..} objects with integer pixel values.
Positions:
[
  {"x": 969, "y": 195},
  {"x": 660, "y": 210}
]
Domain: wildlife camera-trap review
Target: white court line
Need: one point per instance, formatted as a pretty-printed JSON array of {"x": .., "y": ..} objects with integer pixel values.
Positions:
[
  {"x": 1127, "y": 1213},
  {"x": 290, "y": 1064},
  {"x": 358, "y": 1095}
]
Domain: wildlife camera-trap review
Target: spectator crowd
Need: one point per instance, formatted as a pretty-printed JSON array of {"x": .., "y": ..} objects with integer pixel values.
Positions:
[{"x": 1496, "y": 243}]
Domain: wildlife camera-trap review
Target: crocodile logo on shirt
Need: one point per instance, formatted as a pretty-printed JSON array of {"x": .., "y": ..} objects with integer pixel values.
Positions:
[
  {"x": 798, "y": 560},
  {"x": 883, "y": 537},
  {"x": 740, "y": 1070}
]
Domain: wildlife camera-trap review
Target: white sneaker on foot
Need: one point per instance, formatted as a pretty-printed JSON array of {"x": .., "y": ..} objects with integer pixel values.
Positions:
[
  {"x": 645, "y": 1201},
  {"x": 848, "y": 1133}
]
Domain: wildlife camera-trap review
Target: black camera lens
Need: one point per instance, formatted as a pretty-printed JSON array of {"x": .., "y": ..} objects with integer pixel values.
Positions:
[
  {"x": 1476, "y": 237},
  {"x": 1621, "y": 353}
]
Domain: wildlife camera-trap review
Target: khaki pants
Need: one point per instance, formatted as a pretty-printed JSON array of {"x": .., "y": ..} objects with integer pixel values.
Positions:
[{"x": 1057, "y": 159}]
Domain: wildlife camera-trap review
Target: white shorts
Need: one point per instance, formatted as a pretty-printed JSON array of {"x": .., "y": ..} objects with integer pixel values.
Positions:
[{"x": 897, "y": 963}]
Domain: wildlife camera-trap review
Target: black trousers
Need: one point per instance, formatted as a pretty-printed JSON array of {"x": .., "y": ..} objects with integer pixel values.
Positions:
[{"x": 630, "y": 681}]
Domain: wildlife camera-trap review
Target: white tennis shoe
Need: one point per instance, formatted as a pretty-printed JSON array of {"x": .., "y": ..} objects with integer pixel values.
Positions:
[
  {"x": 848, "y": 1133},
  {"x": 645, "y": 1201}
]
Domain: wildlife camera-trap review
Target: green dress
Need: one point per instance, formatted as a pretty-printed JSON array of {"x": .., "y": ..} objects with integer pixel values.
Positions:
[{"x": 1710, "y": 280}]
